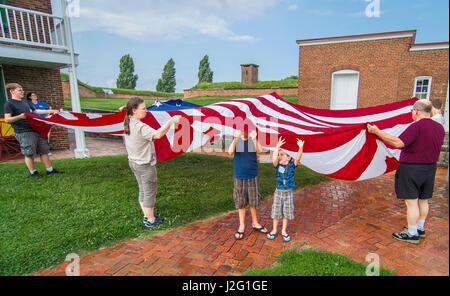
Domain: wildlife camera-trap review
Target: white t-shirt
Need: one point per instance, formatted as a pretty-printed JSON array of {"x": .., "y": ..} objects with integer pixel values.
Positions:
[
  {"x": 139, "y": 143},
  {"x": 438, "y": 118}
]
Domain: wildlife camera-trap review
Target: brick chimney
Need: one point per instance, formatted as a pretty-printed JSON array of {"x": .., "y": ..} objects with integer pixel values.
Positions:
[{"x": 249, "y": 73}]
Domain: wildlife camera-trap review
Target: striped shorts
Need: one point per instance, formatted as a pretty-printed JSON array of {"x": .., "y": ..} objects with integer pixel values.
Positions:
[
  {"x": 246, "y": 193},
  {"x": 283, "y": 204}
]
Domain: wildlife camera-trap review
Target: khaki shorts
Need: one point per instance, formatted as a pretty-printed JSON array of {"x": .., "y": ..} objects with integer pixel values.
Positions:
[
  {"x": 32, "y": 144},
  {"x": 147, "y": 180},
  {"x": 246, "y": 193}
]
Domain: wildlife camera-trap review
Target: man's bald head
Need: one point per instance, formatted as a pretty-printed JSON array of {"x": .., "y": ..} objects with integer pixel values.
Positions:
[{"x": 423, "y": 106}]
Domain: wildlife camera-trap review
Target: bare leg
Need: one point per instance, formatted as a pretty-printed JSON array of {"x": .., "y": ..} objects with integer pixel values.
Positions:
[
  {"x": 275, "y": 226},
  {"x": 412, "y": 211},
  {"x": 284, "y": 226},
  {"x": 423, "y": 208},
  {"x": 241, "y": 213},
  {"x": 255, "y": 222},
  {"x": 46, "y": 160},
  {"x": 29, "y": 161},
  {"x": 148, "y": 212}
]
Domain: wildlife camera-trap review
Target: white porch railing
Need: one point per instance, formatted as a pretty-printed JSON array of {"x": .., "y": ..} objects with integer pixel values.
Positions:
[{"x": 32, "y": 28}]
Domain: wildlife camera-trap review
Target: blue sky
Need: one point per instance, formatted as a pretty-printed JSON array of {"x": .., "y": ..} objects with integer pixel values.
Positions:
[{"x": 230, "y": 32}]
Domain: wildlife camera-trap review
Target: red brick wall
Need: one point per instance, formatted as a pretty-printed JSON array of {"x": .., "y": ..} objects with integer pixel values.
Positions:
[
  {"x": 38, "y": 5},
  {"x": 424, "y": 63},
  {"x": 387, "y": 70},
  {"x": 46, "y": 83}
]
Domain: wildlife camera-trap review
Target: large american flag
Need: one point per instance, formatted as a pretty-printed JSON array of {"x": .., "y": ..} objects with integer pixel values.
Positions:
[{"x": 337, "y": 143}]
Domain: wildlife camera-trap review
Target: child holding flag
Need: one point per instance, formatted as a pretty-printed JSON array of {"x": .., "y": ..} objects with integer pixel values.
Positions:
[{"x": 283, "y": 200}]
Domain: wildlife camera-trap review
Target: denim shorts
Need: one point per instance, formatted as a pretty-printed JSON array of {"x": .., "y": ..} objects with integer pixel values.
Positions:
[{"x": 32, "y": 144}]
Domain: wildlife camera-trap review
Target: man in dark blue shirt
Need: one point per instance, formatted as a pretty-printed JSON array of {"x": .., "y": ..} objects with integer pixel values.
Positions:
[{"x": 31, "y": 142}]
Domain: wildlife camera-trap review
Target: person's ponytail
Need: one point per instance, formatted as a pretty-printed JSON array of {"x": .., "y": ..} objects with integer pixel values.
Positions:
[{"x": 133, "y": 103}]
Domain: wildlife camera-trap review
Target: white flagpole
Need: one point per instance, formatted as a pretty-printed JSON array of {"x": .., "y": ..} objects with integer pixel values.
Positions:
[{"x": 81, "y": 150}]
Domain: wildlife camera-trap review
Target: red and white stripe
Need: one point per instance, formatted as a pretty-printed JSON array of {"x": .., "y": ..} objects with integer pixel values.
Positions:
[{"x": 337, "y": 143}]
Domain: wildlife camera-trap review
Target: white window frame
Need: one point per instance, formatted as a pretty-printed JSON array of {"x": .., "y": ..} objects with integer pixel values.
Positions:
[
  {"x": 340, "y": 72},
  {"x": 419, "y": 94}
]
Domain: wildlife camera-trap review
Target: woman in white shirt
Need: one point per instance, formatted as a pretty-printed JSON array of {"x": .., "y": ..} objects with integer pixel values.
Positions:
[{"x": 139, "y": 139}]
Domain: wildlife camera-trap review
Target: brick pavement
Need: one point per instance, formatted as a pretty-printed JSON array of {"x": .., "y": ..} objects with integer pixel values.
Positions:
[{"x": 350, "y": 218}]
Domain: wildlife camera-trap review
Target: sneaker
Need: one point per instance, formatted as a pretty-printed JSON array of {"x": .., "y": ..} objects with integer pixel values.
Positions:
[
  {"x": 421, "y": 232},
  {"x": 35, "y": 175},
  {"x": 55, "y": 171},
  {"x": 157, "y": 221},
  {"x": 406, "y": 237},
  {"x": 145, "y": 220}
]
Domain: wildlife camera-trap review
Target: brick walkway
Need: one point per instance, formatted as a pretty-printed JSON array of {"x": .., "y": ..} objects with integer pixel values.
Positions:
[{"x": 350, "y": 218}]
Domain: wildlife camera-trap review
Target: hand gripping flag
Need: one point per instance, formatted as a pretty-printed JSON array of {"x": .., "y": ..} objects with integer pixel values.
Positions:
[{"x": 337, "y": 143}]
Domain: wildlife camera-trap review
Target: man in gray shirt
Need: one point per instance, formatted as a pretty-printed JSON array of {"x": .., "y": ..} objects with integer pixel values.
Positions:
[{"x": 31, "y": 142}]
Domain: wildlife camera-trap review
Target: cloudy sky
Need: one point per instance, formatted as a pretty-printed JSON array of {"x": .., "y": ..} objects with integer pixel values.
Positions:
[{"x": 230, "y": 32}]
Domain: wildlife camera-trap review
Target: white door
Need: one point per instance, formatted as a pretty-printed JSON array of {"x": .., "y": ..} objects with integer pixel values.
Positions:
[{"x": 344, "y": 90}]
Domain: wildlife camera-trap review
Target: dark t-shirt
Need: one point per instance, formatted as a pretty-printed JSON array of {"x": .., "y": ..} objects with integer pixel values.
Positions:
[
  {"x": 15, "y": 107},
  {"x": 245, "y": 161},
  {"x": 423, "y": 141}
]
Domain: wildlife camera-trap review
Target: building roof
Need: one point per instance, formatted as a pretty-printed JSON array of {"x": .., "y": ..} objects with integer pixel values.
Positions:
[
  {"x": 352, "y": 38},
  {"x": 376, "y": 36}
]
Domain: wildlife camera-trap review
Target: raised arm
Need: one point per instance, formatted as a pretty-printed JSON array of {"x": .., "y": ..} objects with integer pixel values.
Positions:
[
  {"x": 232, "y": 147},
  {"x": 280, "y": 143},
  {"x": 385, "y": 137},
  {"x": 300, "y": 144},
  {"x": 258, "y": 147}
]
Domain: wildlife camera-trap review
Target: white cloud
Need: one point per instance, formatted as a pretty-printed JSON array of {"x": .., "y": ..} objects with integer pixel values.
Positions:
[
  {"x": 293, "y": 7},
  {"x": 169, "y": 20}
]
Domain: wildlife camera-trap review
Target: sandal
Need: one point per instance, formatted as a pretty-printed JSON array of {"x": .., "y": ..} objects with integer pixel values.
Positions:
[
  {"x": 271, "y": 236},
  {"x": 286, "y": 238},
  {"x": 261, "y": 229},
  {"x": 240, "y": 234}
]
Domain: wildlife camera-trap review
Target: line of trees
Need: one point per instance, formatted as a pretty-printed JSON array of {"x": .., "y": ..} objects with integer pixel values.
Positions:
[{"x": 127, "y": 79}]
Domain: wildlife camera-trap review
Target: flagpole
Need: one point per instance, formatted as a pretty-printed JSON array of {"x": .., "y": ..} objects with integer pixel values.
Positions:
[{"x": 81, "y": 150}]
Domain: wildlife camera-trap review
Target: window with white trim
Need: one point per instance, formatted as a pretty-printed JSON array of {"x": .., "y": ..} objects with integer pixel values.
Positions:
[{"x": 422, "y": 87}]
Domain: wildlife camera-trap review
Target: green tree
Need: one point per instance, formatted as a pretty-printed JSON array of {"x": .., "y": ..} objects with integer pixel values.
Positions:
[
  {"x": 167, "y": 81},
  {"x": 204, "y": 71},
  {"x": 126, "y": 77}
]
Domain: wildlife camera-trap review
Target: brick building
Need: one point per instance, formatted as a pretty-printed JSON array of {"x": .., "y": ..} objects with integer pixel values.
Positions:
[
  {"x": 33, "y": 49},
  {"x": 373, "y": 69}
]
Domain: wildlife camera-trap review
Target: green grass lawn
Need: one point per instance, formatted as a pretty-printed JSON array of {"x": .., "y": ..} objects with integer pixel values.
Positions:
[
  {"x": 94, "y": 204},
  {"x": 114, "y": 104},
  {"x": 311, "y": 262}
]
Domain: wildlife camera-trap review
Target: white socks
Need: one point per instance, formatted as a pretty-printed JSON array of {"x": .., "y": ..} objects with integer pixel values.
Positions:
[
  {"x": 50, "y": 169},
  {"x": 421, "y": 224},
  {"x": 412, "y": 230}
]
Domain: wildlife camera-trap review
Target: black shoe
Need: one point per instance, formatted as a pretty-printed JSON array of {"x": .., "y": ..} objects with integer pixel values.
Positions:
[
  {"x": 421, "y": 233},
  {"x": 35, "y": 175},
  {"x": 406, "y": 237},
  {"x": 55, "y": 171}
]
